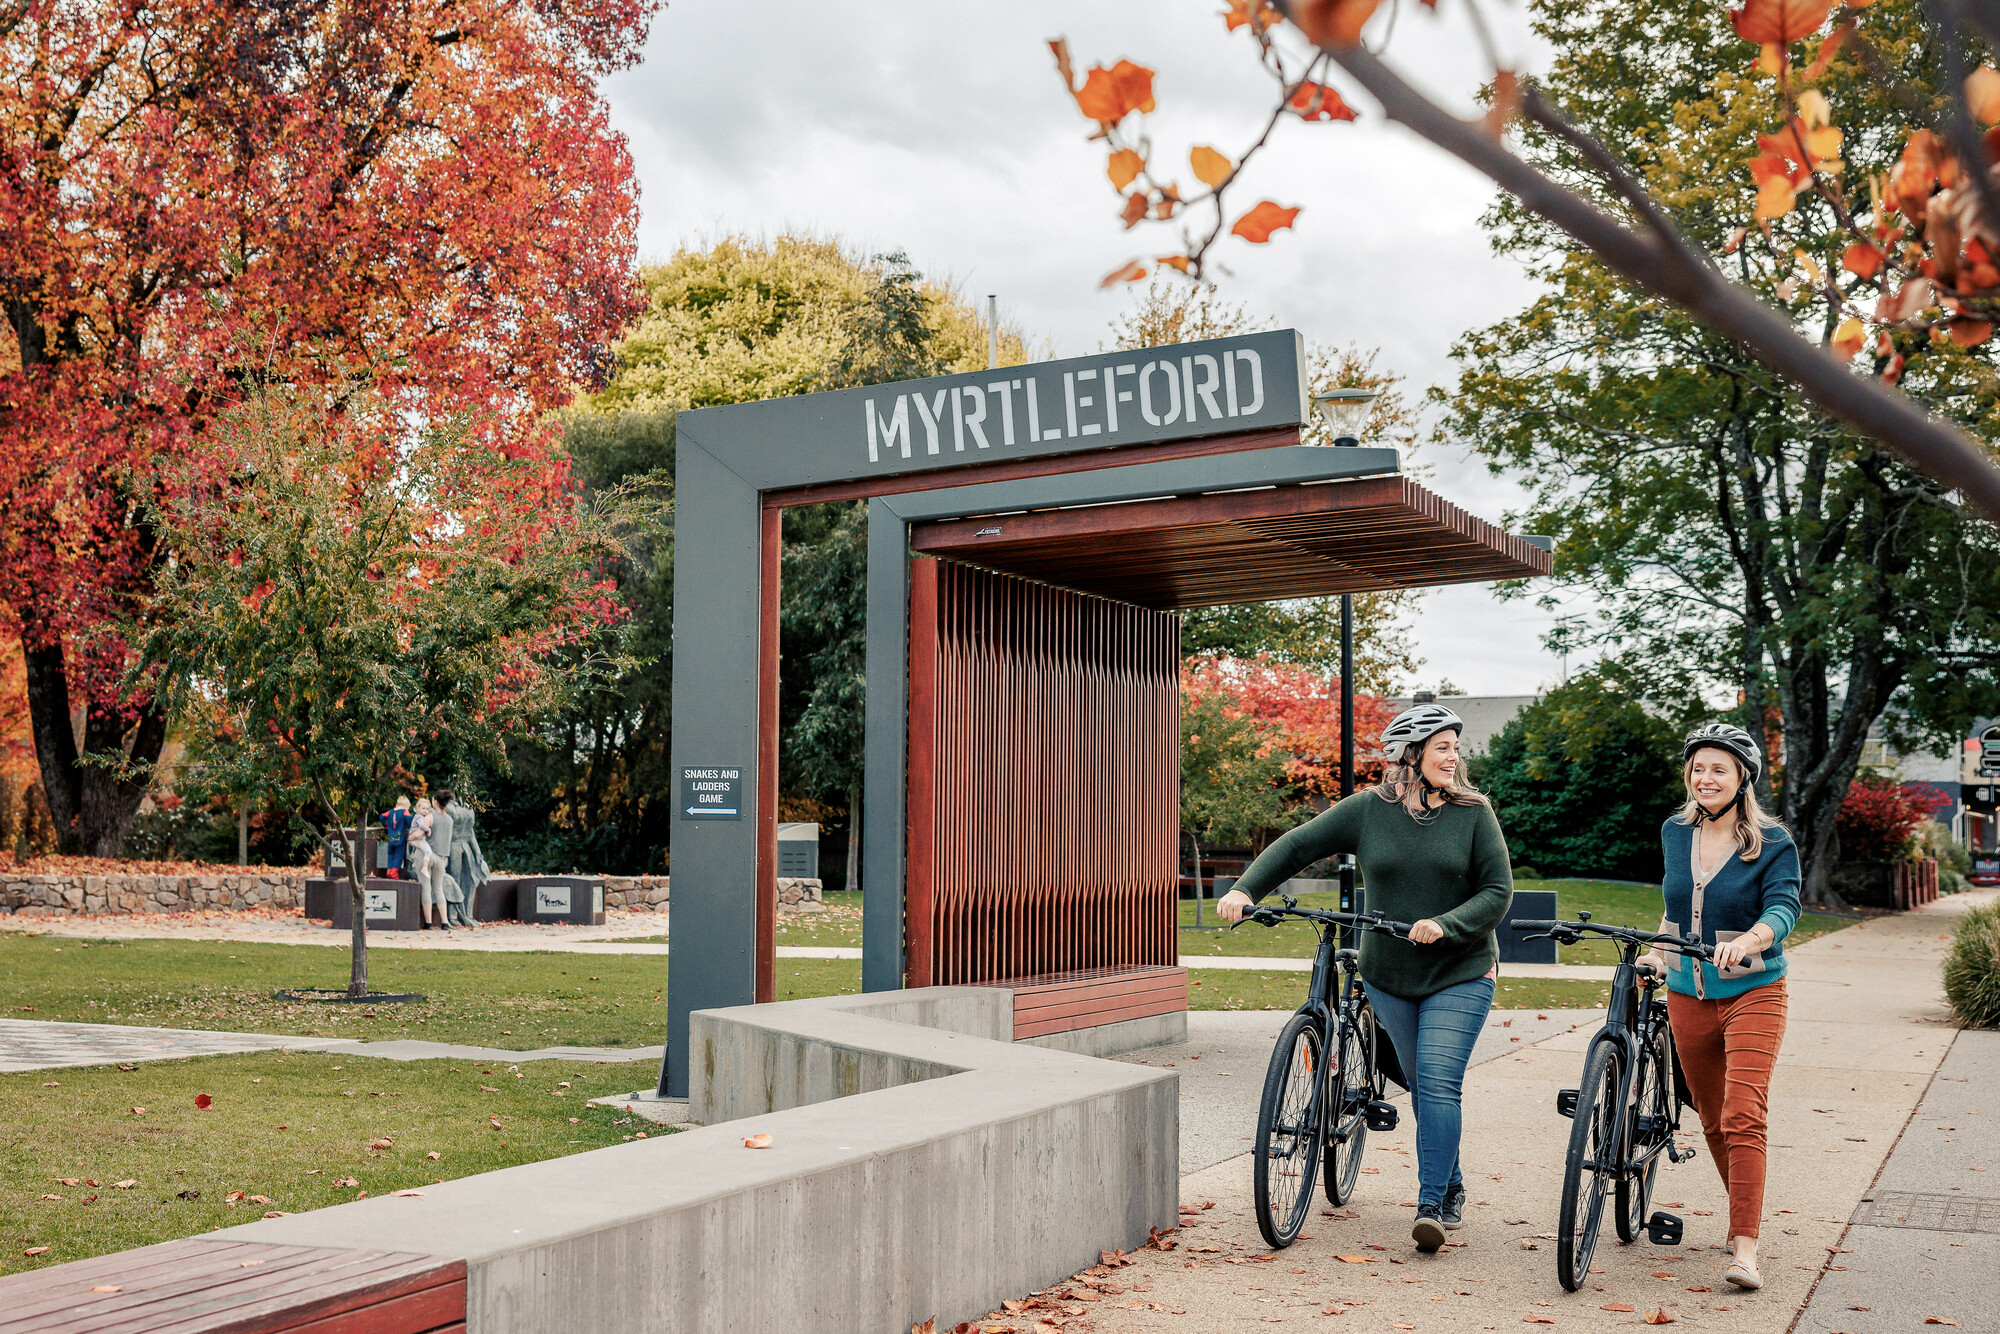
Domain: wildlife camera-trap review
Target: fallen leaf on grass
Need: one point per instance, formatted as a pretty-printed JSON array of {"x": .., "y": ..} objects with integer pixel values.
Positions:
[
  {"x": 383, "y": 1143},
  {"x": 488, "y": 1088},
  {"x": 233, "y": 1196},
  {"x": 52, "y": 1197},
  {"x": 260, "y": 1199},
  {"x": 126, "y": 1184},
  {"x": 67, "y": 1181},
  {"x": 276, "y": 1213},
  {"x": 36, "y": 1250},
  {"x": 348, "y": 1182},
  {"x": 134, "y": 1067},
  {"x": 433, "y": 1155},
  {"x": 410, "y": 1194},
  {"x": 188, "y": 1195},
  {"x": 203, "y": 1101},
  {"x": 138, "y": 1111},
  {"x": 1660, "y": 1317},
  {"x": 758, "y": 1141},
  {"x": 53, "y": 1084}
]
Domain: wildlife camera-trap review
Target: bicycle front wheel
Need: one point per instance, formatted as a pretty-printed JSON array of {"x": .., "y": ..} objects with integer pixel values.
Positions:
[
  {"x": 1595, "y": 1143},
  {"x": 1288, "y": 1132},
  {"x": 1350, "y": 1084},
  {"x": 1652, "y": 1124}
]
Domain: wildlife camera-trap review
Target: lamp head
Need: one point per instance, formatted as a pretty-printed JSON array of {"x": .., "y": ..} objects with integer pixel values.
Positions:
[{"x": 1346, "y": 411}]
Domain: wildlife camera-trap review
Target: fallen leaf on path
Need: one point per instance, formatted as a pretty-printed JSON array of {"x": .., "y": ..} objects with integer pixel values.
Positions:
[
  {"x": 757, "y": 1141},
  {"x": 1614, "y": 1306},
  {"x": 109, "y": 1287},
  {"x": 410, "y": 1194},
  {"x": 1939, "y": 1320},
  {"x": 1355, "y": 1259},
  {"x": 1660, "y": 1317},
  {"x": 1536, "y": 1320}
]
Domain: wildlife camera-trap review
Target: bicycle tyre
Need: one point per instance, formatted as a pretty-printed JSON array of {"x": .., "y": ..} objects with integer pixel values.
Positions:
[
  {"x": 1350, "y": 1085},
  {"x": 1289, "y": 1129},
  {"x": 1654, "y": 1107},
  {"x": 1593, "y": 1138}
]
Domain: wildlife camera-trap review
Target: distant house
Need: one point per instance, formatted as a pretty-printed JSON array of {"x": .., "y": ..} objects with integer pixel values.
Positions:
[{"x": 1484, "y": 715}]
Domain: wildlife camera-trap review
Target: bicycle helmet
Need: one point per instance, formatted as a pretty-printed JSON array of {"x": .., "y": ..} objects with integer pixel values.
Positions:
[
  {"x": 1731, "y": 738},
  {"x": 1414, "y": 726}
]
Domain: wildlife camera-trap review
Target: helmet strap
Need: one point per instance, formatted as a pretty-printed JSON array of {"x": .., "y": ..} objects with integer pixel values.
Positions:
[{"x": 1702, "y": 813}]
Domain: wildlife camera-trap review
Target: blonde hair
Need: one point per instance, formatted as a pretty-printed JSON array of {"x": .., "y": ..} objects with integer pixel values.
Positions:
[
  {"x": 1400, "y": 783},
  {"x": 1751, "y": 817}
]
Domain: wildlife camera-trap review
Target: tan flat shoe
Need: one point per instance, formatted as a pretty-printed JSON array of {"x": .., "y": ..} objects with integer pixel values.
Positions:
[{"x": 1743, "y": 1276}]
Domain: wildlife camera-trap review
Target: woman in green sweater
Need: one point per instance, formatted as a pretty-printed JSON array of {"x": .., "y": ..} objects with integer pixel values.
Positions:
[{"x": 1432, "y": 854}]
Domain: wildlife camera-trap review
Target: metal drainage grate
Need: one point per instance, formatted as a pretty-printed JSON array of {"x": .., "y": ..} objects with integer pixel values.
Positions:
[{"x": 1935, "y": 1213}]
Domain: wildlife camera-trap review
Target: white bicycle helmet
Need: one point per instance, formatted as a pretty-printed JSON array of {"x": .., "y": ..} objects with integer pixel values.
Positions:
[
  {"x": 1409, "y": 730},
  {"x": 1727, "y": 737}
]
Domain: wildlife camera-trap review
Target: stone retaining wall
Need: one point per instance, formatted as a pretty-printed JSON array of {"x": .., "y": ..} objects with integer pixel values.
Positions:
[{"x": 66, "y": 895}]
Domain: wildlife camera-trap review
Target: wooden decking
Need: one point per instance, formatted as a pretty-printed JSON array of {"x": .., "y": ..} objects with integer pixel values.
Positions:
[
  {"x": 1061, "y": 1002},
  {"x": 206, "y": 1286}
]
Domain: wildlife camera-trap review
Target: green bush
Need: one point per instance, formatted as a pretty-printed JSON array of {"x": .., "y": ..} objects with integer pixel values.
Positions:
[
  {"x": 1526, "y": 873},
  {"x": 1972, "y": 968}
]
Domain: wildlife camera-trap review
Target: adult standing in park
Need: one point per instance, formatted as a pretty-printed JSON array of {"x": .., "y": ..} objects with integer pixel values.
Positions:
[
  {"x": 1732, "y": 877},
  {"x": 422, "y": 860},
  {"x": 1431, "y": 854},
  {"x": 464, "y": 863},
  {"x": 446, "y": 888}
]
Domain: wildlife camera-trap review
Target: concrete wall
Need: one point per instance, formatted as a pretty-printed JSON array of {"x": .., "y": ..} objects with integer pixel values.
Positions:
[{"x": 959, "y": 1171}]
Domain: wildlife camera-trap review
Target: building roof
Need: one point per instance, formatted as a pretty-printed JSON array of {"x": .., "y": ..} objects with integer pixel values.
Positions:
[{"x": 1178, "y": 552}]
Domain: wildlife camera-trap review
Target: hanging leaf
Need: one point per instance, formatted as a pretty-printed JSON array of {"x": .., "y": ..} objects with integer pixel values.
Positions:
[
  {"x": 1333, "y": 23},
  {"x": 1124, "y": 168},
  {"x": 1257, "y": 225},
  {"x": 1779, "y": 22},
  {"x": 1109, "y": 95},
  {"x": 1982, "y": 94},
  {"x": 1210, "y": 167},
  {"x": 1848, "y": 338},
  {"x": 1131, "y": 271},
  {"x": 1862, "y": 260},
  {"x": 1319, "y": 101},
  {"x": 1135, "y": 208}
]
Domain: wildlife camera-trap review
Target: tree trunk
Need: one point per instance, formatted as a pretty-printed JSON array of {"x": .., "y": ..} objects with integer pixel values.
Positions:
[
  {"x": 357, "y": 976},
  {"x": 854, "y": 837},
  {"x": 1194, "y": 841},
  {"x": 243, "y": 832},
  {"x": 92, "y": 805}
]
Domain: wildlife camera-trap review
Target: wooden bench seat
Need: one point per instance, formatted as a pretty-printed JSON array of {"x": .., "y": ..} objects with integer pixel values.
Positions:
[
  {"x": 1048, "y": 1003},
  {"x": 206, "y": 1286}
]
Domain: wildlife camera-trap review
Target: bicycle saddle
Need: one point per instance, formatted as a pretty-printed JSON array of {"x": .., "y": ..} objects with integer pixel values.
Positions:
[{"x": 1346, "y": 956}]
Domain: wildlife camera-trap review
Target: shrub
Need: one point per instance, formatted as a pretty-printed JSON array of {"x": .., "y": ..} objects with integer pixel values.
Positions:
[
  {"x": 1972, "y": 968},
  {"x": 1878, "y": 820},
  {"x": 1526, "y": 873},
  {"x": 1954, "y": 861}
]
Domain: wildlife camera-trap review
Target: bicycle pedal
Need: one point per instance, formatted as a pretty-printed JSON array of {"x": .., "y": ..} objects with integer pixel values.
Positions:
[
  {"x": 1566, "y": 1102},
  {"x": 1381, "y": 1115},
  {"x": 1675, "y": 1153},
  {"x": 1663, "y": 1229}
]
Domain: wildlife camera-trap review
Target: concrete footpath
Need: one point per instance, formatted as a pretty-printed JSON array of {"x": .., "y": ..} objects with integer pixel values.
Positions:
[
  {"x": 41, "y": 1044},
  {"x": 1867, "y": 1031}
]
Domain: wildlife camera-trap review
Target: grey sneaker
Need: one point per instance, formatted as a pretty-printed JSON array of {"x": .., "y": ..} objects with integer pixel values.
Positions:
[
  {"x": 1428, "y": 1231},
  {"x": 1452, "y": 1214}
]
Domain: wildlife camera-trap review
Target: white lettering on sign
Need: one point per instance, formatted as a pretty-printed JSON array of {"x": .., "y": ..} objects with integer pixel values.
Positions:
[
  {"x": 379, "y": 903},
  {"x": 551, "y": 900},
  {"x": 1176, "y": 388},
  {"x": 711, "y": 773},
  {"x": 893, "y": 429}
]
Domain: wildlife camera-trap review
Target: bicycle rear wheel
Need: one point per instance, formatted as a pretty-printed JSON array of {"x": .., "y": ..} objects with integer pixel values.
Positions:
[
  {"x": 1288, "y": 1132},
  {"x": 1594, "y": 1148},
  {"x": 1350, "y": 1084},
  {"x": 1652, "y": 1124}
]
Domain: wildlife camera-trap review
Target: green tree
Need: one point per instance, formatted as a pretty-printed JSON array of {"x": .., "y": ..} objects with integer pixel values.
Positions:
[
  {"x": 346, "y": 599},
  {"x": 1740, "y": 541},
  {"x": 1232, "y": 776},
  {"x": 1302, "y": 630},
  {"x": 1581, "y": 780}
]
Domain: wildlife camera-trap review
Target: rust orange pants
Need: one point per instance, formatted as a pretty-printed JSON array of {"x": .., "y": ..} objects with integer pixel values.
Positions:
[{"x": 1728, "y": 1049}]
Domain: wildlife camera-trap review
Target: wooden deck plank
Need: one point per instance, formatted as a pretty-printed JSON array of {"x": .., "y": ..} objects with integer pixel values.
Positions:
[
  {"x": 421, "y": 1312},
  {"x": 1070, "y": 1024},
  {"x": 165, "y": 1274},
  {"x": 297, "y": 1301}
]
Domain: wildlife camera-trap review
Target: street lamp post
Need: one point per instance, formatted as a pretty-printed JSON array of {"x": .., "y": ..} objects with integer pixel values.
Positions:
[{"x": 1345, "y": 412}]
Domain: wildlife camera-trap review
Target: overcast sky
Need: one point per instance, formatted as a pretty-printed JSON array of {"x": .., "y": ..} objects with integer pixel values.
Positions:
[{"x": 944, "y": 131}]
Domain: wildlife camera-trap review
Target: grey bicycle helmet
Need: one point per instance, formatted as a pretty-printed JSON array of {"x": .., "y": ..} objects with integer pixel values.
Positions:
[
  {"x": 1413, "y": 727},
  {"x": 1729, "y": 737}
]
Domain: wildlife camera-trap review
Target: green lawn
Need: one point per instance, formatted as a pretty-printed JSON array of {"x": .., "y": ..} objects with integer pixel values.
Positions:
[
  {"x": 1217, "y": 990},
  {"x": 287, "y": 1126},
  {"x": 1606, "y": 901},
  {"x": 838, "y": 923},
  {"x": 517, "y": 1001}
]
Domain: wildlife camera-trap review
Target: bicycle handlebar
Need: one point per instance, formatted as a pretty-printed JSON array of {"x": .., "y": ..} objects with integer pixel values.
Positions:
[
  {"x": 1573, "y": 931},
  {"x": 1266, "y": 915}
]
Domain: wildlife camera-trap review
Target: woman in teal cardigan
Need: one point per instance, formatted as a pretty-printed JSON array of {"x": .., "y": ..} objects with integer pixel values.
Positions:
[{"x": 1732, "y": 877}]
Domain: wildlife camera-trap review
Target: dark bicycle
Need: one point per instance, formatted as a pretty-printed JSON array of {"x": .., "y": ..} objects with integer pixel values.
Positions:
[
  {"x": 1627, "y": 1108},
  {"x": 1313, "y": 1104}
]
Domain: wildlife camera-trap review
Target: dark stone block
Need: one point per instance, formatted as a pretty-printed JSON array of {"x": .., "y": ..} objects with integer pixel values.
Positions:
[
  {"x": 578, "y": 900},
  {"x": 495, "y": 901},
  {"x": 395, "y": 905}
]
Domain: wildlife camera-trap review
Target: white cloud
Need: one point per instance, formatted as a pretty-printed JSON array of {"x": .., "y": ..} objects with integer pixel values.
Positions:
[{"x": 944, "y": 131}]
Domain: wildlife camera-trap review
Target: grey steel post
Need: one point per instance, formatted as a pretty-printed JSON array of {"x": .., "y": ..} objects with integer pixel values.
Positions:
[{"x": 885, "y": 733}]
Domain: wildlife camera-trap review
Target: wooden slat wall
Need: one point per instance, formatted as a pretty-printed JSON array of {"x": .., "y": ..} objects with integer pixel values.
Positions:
[{"x": 1044, "y": 765}]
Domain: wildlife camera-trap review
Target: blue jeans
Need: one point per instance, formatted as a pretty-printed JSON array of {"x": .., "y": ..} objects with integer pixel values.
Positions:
[{"x": 1433, "y": 1039}]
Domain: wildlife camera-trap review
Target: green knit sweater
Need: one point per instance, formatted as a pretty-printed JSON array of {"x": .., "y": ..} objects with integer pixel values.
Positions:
[{"x": 1453, "y": 870}]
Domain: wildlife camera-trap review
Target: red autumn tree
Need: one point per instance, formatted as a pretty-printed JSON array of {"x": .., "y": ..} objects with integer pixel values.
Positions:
[
  {"x": 1299, "y": 710},
  {"x": 419, "y": 197}
]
